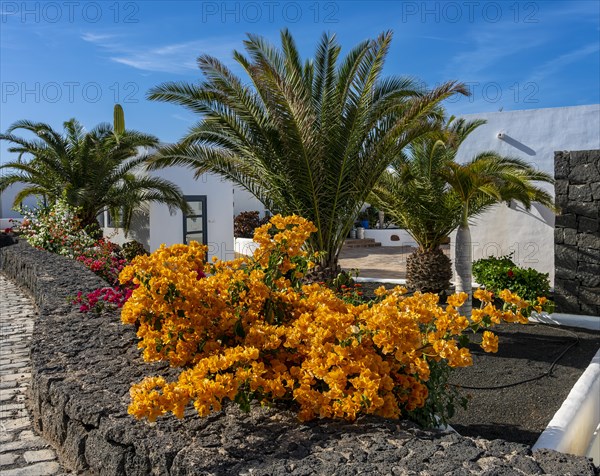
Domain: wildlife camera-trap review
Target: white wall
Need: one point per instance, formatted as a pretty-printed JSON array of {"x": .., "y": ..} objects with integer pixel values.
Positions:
[
  {"x": 244, "y": 201},
  {"x": 385, "y": 237},
  {"x": 7, "y": 198},
  {"x": 533, "y": 135},
  {"x": 245, "y": 246},
  {"x": 139, "y": 228},
  {"x": 167, "y": 228}
]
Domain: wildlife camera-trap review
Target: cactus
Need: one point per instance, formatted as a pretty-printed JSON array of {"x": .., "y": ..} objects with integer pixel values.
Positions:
[{"x": 119, "y": 120}]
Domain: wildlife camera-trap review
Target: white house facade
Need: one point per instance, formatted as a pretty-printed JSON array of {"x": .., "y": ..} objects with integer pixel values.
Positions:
[{"x": 211, "y": 222}]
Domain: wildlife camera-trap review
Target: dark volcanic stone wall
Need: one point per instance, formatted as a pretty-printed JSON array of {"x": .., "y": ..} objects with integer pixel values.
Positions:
[
  {"x": 577, "y": 232},
  {"x": 83, "y": 366}
]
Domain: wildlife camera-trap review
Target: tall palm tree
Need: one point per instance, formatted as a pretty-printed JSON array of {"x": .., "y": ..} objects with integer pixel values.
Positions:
[
  {"x": 427, "y": 192},
  {"x": 93, "y": 171},
  {"x": 309, "y": 138}
]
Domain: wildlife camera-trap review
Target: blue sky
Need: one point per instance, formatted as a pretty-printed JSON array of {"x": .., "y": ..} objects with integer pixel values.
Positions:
[{"x": 76, "y": 59}]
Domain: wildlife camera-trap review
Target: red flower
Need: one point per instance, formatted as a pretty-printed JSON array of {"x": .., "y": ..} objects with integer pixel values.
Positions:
[{"x": 510, "y": 273}]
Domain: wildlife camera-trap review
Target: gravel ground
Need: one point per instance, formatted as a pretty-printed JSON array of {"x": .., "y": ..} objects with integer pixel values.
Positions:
[{"x": 519, "y": 413}]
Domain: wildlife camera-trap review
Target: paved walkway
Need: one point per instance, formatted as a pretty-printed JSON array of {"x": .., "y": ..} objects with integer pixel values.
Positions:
[
  {"x": 388, "y": 262},
  {"x": 22, "y": 452},
  {"x": 384, "y": 262}
]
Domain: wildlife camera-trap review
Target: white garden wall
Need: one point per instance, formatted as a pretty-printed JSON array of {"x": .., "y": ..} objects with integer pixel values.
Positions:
[
  {"x": 532, "y": 135},
  {"x": 245, "y": 246},
  {"x": 384, "y": 236}
]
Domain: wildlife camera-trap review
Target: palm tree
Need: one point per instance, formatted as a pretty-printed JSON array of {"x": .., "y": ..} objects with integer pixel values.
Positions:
[
  {"x": 93, "y": 171},
  {"x": 308, "y": 138},
  {"x": 427, "y": 192},
  {"x": 479, "y": 184},
  {"x": 415, "y": 195}
]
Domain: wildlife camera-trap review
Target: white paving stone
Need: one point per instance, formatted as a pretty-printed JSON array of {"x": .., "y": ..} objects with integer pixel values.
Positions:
[
  {"x": 22, "y": 452},
  {"x": 48, "y": 468},
  {"x": 39, "y": 455},
  {"x": 28, "y": 444},
  {"x": 8, "y": 459}
]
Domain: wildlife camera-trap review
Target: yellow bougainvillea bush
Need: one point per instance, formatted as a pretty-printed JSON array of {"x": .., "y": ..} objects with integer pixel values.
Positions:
[{"x": 250, "y": 330}]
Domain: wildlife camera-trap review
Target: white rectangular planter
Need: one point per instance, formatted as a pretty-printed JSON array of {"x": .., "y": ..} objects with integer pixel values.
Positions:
[{"x": 245, "y": 246}]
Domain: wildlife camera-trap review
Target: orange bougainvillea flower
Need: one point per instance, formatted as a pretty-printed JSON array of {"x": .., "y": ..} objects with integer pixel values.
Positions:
[
  {"x": 251, "y": 330},
  {"x": 489, "y": 342},
  {"x": 483, "y": 295},
  {"x": 457, "y": 300}
]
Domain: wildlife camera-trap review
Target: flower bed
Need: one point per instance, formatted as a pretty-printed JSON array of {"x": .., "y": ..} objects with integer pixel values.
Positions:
[
  {"x": 83, "y": 365},
  {"x": 250, "y": 330}
]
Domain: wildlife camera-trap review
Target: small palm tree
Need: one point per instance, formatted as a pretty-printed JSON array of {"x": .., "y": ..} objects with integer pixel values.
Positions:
[
  {"x": 93, "y": 171},
  {"x": 427, "y": 192},
  {"x": 477, "y": 185},
  {"x": 308, "y": 138},
  {"x": 414, "y": 194}
]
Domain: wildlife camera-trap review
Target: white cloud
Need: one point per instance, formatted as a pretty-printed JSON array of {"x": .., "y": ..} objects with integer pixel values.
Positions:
[
  {"x": 442, "y": 39},
  {"x": 556, "y": 65},
  {"x": 97, "y": 38},
  {"x": 171, "y": 58},
  {"x": 188, "y": 119},
  {"x": 490, "y": 46}
]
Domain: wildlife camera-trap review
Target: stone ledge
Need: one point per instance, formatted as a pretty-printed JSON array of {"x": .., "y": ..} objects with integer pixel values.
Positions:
[{"x": 83, "y": 366}]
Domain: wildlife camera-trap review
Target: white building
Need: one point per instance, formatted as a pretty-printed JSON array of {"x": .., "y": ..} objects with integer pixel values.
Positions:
[
  {"x": 211, "y": 223},
  {"x": 533, "y": 135}
]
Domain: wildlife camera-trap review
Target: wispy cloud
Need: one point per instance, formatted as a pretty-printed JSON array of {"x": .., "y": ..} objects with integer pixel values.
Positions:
[
  {"x": 442, "y": 39},
  {"x": 98, "y": 38},
  {"x": 171, "y": 58},
  {"x": 583, "y": 11},
  {"x": 188, "y": 119},
  {"x": 557, "y": 64},
  {"x": 489, "y": 46}
]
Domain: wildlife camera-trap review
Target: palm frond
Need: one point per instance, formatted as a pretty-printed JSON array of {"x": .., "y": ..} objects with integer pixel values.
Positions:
[{"x": 309, "y": 137}]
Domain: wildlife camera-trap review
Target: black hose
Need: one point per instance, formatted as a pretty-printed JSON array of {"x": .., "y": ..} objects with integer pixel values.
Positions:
[{"x": 538, "y": 377}]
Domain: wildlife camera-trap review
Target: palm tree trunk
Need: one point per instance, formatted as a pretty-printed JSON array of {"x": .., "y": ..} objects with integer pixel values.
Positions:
[
  {"x": 428, "y": 271},
  {"x": 464, "y": 266}
]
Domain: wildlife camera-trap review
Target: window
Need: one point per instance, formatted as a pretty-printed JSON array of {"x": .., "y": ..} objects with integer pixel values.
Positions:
[
  {"x": 194, "y": 224},
  {"x": 111, "y": 222}
]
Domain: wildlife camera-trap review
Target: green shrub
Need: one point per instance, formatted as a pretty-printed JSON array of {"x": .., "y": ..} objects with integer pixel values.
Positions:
[
  {"x": 133, "y": 248},
  {"x": 501, "y": 273}
]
